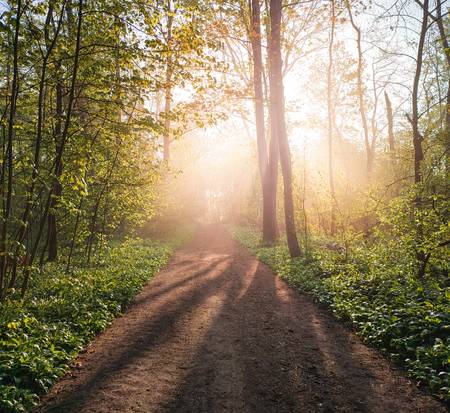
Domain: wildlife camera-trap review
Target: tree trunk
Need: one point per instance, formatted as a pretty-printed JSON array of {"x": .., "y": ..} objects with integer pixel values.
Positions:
[
  {"x": 23, "y": 230},
  {"x": 64, "y": 135},
  {"x": 417, "y": 137},
  {"x": 438, "y": 19},
  {"x": 331, "y": 121},
  {"x": 278, "y": 122},
  {"x": 390, "y": 120},
  {"x": 421, "y": 256},
  {"x": 9, "y": 149},
  {"x": 270, "y": 230},
  {"x": 168, "y": 86},
  {"x": 446, "y": 48},
  {"x": 360, "y": 89},
  {"x": 56, "y": 186},
  {"x": 391, "y": 139}
]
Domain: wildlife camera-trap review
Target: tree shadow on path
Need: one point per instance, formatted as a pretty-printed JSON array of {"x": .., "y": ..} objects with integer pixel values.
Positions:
[{"x": 217, "y": 331}]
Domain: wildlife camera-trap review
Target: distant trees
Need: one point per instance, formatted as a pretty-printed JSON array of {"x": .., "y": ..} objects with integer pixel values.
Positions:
[
  {"x": 89, "y": 108},
  {"x": 361, "y": 182},
  {"x": 180, "y": 54}
]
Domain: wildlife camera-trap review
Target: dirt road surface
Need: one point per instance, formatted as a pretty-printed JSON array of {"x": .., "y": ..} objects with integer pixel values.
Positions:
[{"x": 217, "y": 331}]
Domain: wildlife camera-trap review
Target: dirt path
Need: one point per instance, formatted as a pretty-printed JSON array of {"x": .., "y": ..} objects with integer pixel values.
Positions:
[{"x": 218, "y": 332}]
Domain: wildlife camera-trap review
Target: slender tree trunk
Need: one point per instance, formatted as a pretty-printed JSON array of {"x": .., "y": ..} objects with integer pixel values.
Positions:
[
  {"x": 417, "y": 137},
  {"x": 438, "y": 19},
  {"x": 421, "y": 256},
  {"x": 9, "y": 149},
  {"x": 331, "y": 120},
  {"x": 92, "y": 231},
  {"x": 271, "y": 182},
  {"x": 23, "y": 230},
  {"x": 446, "y": 48},
  {"x": 305, "y": 222},
  {"x": 168, "y": 85},
  {"x": 56, "y": 186},
  {"x": 74, "y": 236},
  {"x": 64, "y": 135},
  {"x": 167, "y": 122},
  {"x": 391, "y": 139},
  {"x": 52, "y": 220},
  {"x": 278, "y": 122},
  {"x": 360, "y": 89},
  {"x": 97, "y": 205},
  {"x": 370, "y": 149},
  {"x": 270, "y": 230},
  {"x": 390, "y": 120}
]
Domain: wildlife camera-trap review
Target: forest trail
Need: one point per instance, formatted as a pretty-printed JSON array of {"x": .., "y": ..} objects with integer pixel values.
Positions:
[{"x": 217, "y": 331}]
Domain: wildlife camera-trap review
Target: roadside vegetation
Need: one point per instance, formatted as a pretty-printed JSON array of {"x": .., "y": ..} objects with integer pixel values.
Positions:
[
  {"x": 322, "y": 127},
  {"x": 370, "y": 285},
  {"x": 41, "y": 335}
]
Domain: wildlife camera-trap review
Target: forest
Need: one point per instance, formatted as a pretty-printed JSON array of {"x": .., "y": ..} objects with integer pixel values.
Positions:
[{"x": 279, "y": 167}]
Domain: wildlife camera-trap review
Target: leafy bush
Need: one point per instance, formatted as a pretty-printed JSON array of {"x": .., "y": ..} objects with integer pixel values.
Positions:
[
  {"x": 39, "y": 336},
  {"x": 407, "y": 318}
]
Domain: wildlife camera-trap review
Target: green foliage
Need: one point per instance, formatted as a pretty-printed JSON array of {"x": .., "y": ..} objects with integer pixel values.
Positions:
[
  {"x": 40, "y": 336},
  {"x": 407, "y": 318}
]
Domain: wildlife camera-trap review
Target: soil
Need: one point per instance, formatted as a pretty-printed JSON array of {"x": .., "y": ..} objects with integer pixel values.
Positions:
[{"x": 217, "y": 331}]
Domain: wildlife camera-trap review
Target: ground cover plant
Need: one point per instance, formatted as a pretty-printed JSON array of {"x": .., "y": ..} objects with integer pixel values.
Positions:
[
  {"x": 407, "y": 318},
  {"x": 40, "y": 335},
  {"x": 322, "y": 125}
]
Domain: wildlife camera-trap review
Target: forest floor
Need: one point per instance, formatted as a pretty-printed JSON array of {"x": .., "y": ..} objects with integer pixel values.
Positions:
[{"x": 217, "y": 331}]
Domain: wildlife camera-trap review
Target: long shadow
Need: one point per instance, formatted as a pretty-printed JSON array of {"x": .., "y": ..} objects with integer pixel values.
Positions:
[
  {"x": 142, "y": 298},
  {"x": 270, "y": 349},
  {"x": 267, "y": 348},
  {"x": 239, "y": 367},
  {"x": 151, "y": 332}
]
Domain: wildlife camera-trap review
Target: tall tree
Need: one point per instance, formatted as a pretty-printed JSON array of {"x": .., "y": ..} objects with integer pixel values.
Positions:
[
  {"x": 278, "y": 121},
  {"x": 168, "y": 82},
  {"x": 369, "y": 144},
  {"x": 9, "y": 161},
  {"x": 331, "y": 119},
  {"x": 49, "y": 46},
  {"x": 417, "y": 136},
  {"x": 438, "y": 19},
  {"x": 268, "y": 162}
]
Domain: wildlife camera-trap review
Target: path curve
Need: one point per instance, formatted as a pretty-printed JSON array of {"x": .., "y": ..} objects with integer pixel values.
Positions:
[{"x": 217, "y": 331}]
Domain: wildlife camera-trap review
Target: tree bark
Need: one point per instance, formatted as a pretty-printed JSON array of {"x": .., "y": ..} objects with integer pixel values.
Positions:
[
  {"x": 25, "y": 225},
  {"x": 168, "y": 86},
  {"x": 438, "y": 19},
  {"x": 270, "y": 230},
  {"x": 56, "y": 186},
  {"x": 331, "y": 121},
  {"x": 446, "y": 48},
  {"x": 417, "y": 137},
  {"x": 360, "y": 89},
  {"x": 421, "y": 256},
  {"x": 278, "y": 122},
  {"x": 390, "y": 120},
  {"x": 9, "y": 149},
  {"x": 391, "y": 138},
  {"x": 65, "y": 132}
]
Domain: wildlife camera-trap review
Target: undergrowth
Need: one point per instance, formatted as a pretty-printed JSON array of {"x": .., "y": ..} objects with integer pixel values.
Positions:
[
  {"x": 40, "y": 335},
  {"x": 406, "y": 318}
]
